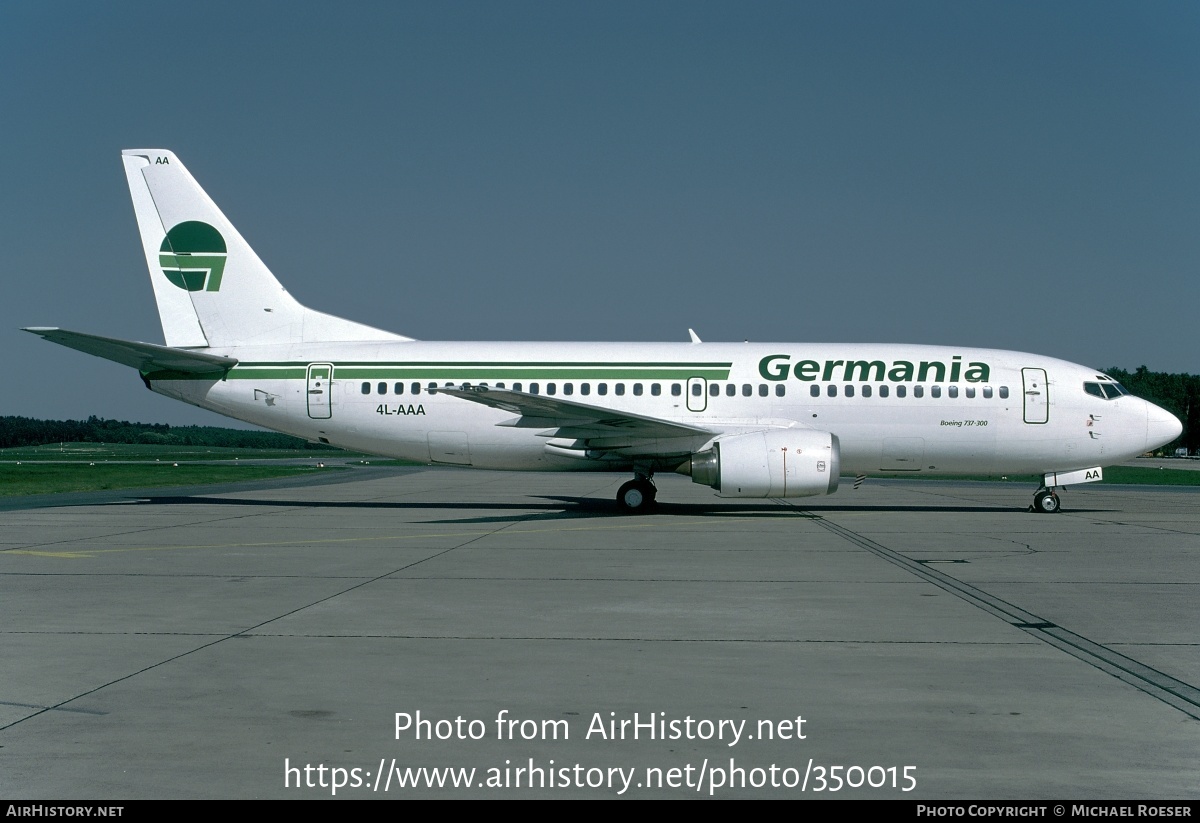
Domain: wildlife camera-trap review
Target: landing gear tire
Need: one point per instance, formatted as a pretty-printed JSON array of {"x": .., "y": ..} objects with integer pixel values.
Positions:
[
  {"x": 636, "y": 496},
  {"x": 1046, "y": 502}
]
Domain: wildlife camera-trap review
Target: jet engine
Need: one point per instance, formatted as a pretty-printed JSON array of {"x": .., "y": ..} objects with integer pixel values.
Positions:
[{"x": 776, "y": 463}]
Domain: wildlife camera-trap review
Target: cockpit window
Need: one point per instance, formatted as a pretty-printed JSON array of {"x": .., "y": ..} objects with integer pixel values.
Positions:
[{"x": 1105, "y": 391}]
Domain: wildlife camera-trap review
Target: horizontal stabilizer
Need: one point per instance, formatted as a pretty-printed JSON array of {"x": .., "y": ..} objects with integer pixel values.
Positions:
[{"x": 145, "y": 357}]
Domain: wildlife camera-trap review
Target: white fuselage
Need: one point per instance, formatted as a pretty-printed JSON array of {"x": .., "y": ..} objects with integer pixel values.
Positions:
[
  {"x": 896, "y": 409},
  {"x": 749, "y": 420}
]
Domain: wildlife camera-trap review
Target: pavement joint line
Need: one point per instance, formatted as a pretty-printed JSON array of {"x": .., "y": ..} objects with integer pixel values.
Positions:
[
  {"x": 29, "y": 548},
  {"x": 49, "y": 708},
  {"x": 1067, "y": 511},
  {"x": 498, "y": 579},
  {"x": 243, "y": 632},
  {"x": 250, "y": 633},
  {"x": 1159, "y": 685},
  {"x": 85, "y": 553}
]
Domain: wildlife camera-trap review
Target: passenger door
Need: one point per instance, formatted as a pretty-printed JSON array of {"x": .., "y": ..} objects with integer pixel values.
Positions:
[
  {"x": 1037, "y": 396},
  {"x": 320, "y": 394}
]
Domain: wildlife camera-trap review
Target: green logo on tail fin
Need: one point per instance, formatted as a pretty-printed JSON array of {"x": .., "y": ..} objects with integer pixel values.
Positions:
[{"x": 193, "y": 256}]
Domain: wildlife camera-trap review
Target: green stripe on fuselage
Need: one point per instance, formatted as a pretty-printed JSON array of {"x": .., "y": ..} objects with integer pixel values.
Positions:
[
  {"x": 565, "y": 372},
  {"x": 273, "y": 373},
  {"x": 465, "y": 371}
]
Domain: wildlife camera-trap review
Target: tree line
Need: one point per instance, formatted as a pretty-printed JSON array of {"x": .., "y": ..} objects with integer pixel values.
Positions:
[{"x": 26, "y": 431}]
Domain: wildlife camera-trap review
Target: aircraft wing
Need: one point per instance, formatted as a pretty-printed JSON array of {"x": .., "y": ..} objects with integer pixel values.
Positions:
[
  {"x": 573, "y": 419},
  {"x": 145, "y": 357}
]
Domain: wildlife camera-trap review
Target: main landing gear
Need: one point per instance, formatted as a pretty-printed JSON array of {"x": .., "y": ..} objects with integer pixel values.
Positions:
[
  {"x": 1045, "y": 501},
  {"x": 637, "y": 496}
]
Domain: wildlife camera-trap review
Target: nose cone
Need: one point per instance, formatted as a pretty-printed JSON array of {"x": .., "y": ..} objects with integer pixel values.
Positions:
[{"x": 1161, "y": 427}]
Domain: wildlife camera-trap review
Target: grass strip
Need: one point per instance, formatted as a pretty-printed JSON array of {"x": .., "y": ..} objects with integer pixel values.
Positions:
[
  {"x": 1115, "y": 475},
  {"x": 56, "y": 478}
]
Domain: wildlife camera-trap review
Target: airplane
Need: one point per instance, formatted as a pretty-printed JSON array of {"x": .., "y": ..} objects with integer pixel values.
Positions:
[{"x": 750, "y": 420}]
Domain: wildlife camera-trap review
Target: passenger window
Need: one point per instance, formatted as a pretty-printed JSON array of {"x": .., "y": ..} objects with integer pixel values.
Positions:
[
  {"x": 1004, "y": 392},
  {"x": 866, "y": 391},
  {"x": 533, "y": 388},
  {"x": 918, "y": 391},
  {"x": 952, "y": 391},
  {"x": 730, "y": 390},
  {"x": 763, "y": 391},
  {"x": 568, "y": 388},
  {"x": 814, "y": 390},
  {"x": 602, "y": 389},
  {"x": 935, "y": 391},
  {"x": 366, "y": 388},
  {"x": 499, "y": 385},
  {"x": 780, "y": 390},
  {"x": 676, "y": 389},
  {"x": 398, "y": 388},
  {"x": 637, "y": 389},
  {"x": 382, "y": 388},
  {"x": 714, "y": 389},
  {"x": 656, "y": 389},
  {"x": 747, "y": 390},
  {"x": 832, "y": 390},
  {"x": 415, "y": 388},
  {"x": 551, "y": 388},
  {"x": 970, "y": 392},
  {"x": 902, "y": 391},
  {"x": 883, "y": 391},
  {"x": 696, "y": 390},
  {"x": 619, "y": 389},
  {"x": 585, "y": 389},
  {"x": 987, "y": 392},
  {"x": 849, "y": 391}
]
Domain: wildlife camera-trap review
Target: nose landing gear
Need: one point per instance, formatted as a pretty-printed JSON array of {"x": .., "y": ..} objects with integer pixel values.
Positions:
[{"x": 1045, "y": 501}]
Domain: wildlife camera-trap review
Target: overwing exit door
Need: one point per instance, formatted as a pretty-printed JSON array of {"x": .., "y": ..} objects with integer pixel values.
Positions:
[{"x": 697, "y": 394}]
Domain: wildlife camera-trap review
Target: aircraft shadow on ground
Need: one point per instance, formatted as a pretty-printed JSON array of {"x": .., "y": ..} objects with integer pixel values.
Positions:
[{"x": 568, "y": 508}]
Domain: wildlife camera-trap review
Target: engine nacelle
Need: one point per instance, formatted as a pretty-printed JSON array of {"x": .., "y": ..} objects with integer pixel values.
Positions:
[{"x": 777, "y": 463}]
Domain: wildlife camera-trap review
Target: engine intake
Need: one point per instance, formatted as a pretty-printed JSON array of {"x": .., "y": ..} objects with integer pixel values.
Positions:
[{"x": 777, "y": 463}]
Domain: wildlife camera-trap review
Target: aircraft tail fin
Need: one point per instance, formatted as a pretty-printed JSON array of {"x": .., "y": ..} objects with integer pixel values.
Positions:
[{"x": 211, "y": 288}]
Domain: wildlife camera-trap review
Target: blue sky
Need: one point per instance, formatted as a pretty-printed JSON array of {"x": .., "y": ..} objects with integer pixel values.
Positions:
[{"x": 1003, "y": 174}]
